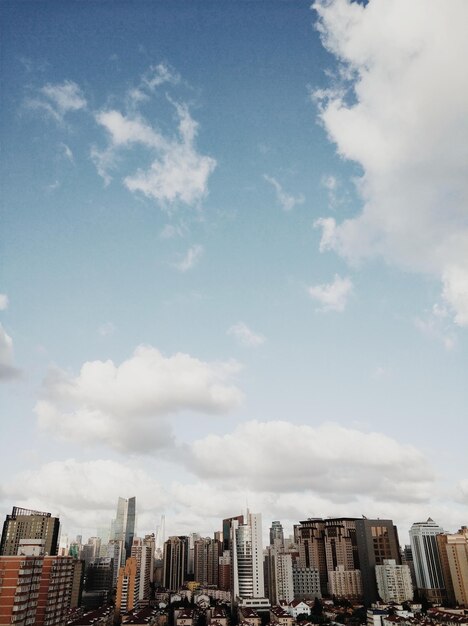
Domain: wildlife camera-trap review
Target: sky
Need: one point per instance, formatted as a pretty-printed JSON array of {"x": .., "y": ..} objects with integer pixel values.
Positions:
[{"x": 234, "y": 261}]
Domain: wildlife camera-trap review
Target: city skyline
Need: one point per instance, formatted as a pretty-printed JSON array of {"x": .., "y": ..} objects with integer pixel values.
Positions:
[{"x": 234, "y": 262}]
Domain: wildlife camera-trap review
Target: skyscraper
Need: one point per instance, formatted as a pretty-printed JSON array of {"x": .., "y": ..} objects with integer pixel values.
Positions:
[
  {"x": 27, "y": 524},
  {"x": 427, "y": 562},
  {"x": 377, "y": 541},
  {"x": 123, "y": 527},
  {"x": 276, "y": 535},
  {"x": 175, "y": 562},
  {"x": 247, "y": 558}
]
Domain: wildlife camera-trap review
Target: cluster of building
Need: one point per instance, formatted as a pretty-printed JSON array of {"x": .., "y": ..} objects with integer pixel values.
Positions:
[{"x": 48, "y": 580}]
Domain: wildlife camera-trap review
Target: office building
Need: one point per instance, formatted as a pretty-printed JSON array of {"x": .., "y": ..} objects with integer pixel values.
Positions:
[
  {"x": 27, "y": 524},
  {"x": 276, "y": 535},
  {"x": 247, "y": 558},
  {"x": 427, "y": 563},
  {"x": 377, "y": 541},
  {"x": 123, "y": 528}
]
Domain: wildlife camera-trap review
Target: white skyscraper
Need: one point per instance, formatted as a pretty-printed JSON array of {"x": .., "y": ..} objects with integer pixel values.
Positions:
[
  {"x": 427, "y": 563},
  {"x": 247, "y": 558}
]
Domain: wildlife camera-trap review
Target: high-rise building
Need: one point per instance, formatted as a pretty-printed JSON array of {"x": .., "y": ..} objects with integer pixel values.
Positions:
[
  {"x": 247, "y": 558},
  {"x": 279, "y": 584},
  {"x": 206, "y": 561},
  {"x": 453, "y": 551},
  {"x": 141, "y": 551},
  {"x": 394, "y": 582},
  {"x": 27, "y": 524},
  {"x": 343, "y": 583},
  {"x": 37, "y": 590},
  {"x": 276, "y": 535},
  {"x": 128, "y": 585},
  {"x": 175, "y": 562},
  {"x": 377, "y": 541},
  {"x": 306, "y": 582},
  {"x": 124, "y": 526},
  {"x": 427, "y": 562}
]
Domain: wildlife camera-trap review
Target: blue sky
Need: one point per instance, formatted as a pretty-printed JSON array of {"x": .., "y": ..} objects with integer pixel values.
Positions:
[{"x": 234, "y": 261}]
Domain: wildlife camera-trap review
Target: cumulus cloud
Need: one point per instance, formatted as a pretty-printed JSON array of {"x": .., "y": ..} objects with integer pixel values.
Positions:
[
  {"x": 4, "y": 301},
  {"x": 399, "y": 108},
  {"x": 287, "y": 201},
  {"x": 191, "y": 258},
  {"x": 59, "y": 99},
  {"x": 246, "y": 335},
  {"x": 126, "y": 406},
  {"x": 84, "y": 493},
  {"x": 328, "y": 459},
  {"x": 177, "y": 173},
  {"x": 7, "y": 369},
  {"x": 332, "y": 296}
]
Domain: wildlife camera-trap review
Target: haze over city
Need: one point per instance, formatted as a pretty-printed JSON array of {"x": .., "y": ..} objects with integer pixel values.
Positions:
[{"x": 234, "y": 261}]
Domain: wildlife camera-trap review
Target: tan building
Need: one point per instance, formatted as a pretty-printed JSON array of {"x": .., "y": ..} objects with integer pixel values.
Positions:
[
  {"x": 345, "y": 583},
  {"x": 281, "y": 617},
  {"x": 27, "y": 524},
  {"x": 453, "y": 551},
  {"x": 127, "y": 586}
]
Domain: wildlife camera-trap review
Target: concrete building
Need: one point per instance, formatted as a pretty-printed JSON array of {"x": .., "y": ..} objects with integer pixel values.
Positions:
[
  {"x": 343, "y": 583},
  {"x": 175, "y": 562},
  {"x": 306, "y": 582},
  {"x": 394, "y": 582},
  {"x": 427, "y": 563},
  {"x": 28, "y": 524}
]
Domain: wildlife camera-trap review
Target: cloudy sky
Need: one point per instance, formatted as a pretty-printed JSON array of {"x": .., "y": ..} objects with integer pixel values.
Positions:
[{"x": 234, "y": 260}]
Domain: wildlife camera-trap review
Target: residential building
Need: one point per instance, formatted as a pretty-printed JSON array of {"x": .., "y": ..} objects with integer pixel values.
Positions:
[
  {"x": 343, "y": 583},
  {"x": 279, "y": 585},
  {"x": 141, "y": 551},
  {"x": 127, "y": 586},
  {"x": 394, "y": 582},
  {"x": 28, "y": 524},
  {"x": 175, "y": 562},
  {"x": 306, "y": 582},
  {"x": 453, "y": 552}
]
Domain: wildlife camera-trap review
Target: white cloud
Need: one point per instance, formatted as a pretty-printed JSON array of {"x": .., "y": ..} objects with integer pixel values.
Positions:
[
  {"x": 59, "y": 99},
  {"x": 159, "y": 74},
  {"x": 178, "y": 172},
  {"x": 126, "y": 406},
  {"x": 437, "y": 325},
  {"x": 106, "y": 329},
  {"x": 405, "y": 124},
  {"x": 332, "y": 296},
  {"x": 4, "y": 302},
  {"x": 328, "y": 459},
  {"x": 7, "y": 369},
  {"x": 245, "y": 335},
  {"x": 287, "y": 201},
  {"x": 67, "y": 152},
  {"x": 191, "y": 258}
]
